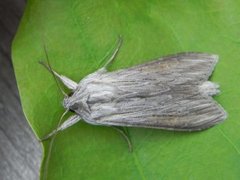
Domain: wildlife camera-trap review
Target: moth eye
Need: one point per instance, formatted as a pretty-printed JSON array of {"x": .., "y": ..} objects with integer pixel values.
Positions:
[
  {"x": 70, "y": 94},
  {"x": 71, "y": 110},
  {"x": 74, "y": 107}
]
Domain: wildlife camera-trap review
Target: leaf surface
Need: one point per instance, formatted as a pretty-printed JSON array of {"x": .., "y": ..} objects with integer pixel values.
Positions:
[{"x": 79, "y": 35}]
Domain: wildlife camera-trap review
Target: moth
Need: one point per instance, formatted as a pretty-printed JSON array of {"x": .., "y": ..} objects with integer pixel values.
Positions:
[{"x": 171, "y": 93}]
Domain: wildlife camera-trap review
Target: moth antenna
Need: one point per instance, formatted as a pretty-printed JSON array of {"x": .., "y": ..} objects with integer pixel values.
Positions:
[
  {"x": 54, "y": 131},
  {"x": 48, "y": 136},
  {"x": 50, "y": 147},
  {"x": 48, "y": 66},
  {"x": 119, "y": 44}
]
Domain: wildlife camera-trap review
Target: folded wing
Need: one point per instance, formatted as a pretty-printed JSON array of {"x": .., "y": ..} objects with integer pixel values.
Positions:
[{"x": 161, "y": 94}]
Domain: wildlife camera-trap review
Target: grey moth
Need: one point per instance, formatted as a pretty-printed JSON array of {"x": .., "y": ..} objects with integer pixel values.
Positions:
[{"x": 171, "y": 93}]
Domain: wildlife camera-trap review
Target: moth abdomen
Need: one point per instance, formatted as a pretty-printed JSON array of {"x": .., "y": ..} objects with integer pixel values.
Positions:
[{"x": 209, "y": 88}]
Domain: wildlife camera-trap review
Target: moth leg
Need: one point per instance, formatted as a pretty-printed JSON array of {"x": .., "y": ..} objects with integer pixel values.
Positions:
[
  {"x": 119, "y": 44},
  {"x": 69, "y": 122},
  {"x": 70, "y": 84},
  {"x": 125, "y": 135}
]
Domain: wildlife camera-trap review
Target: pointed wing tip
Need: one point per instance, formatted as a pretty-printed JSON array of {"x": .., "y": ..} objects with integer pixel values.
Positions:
[
  {"x": 224, "y": 115},
  {"x": 221, "y": 117},
  {"x": 210, "y": 60},
  {"x": 214, "y": 57}
]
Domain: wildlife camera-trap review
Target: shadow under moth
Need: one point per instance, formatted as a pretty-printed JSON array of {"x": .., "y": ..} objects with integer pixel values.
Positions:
[{"x": 171, "y": 93}]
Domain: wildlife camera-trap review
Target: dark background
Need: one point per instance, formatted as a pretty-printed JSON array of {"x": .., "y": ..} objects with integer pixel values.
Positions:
[{"x": 20, "y": 152}]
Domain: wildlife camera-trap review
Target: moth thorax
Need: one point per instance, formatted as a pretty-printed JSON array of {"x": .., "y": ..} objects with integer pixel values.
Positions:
[{"x": 209, "y": 88}]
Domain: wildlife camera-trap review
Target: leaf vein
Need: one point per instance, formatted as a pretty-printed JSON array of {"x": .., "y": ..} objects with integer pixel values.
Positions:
[{"x": 229, "y": 140}]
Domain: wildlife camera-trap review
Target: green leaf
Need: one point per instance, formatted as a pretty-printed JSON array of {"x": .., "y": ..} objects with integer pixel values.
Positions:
[{"x": 79, "y": 34}]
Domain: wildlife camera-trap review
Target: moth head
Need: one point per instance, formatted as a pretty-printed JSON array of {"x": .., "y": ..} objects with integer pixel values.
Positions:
[{"x": 73, "y": 103}]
